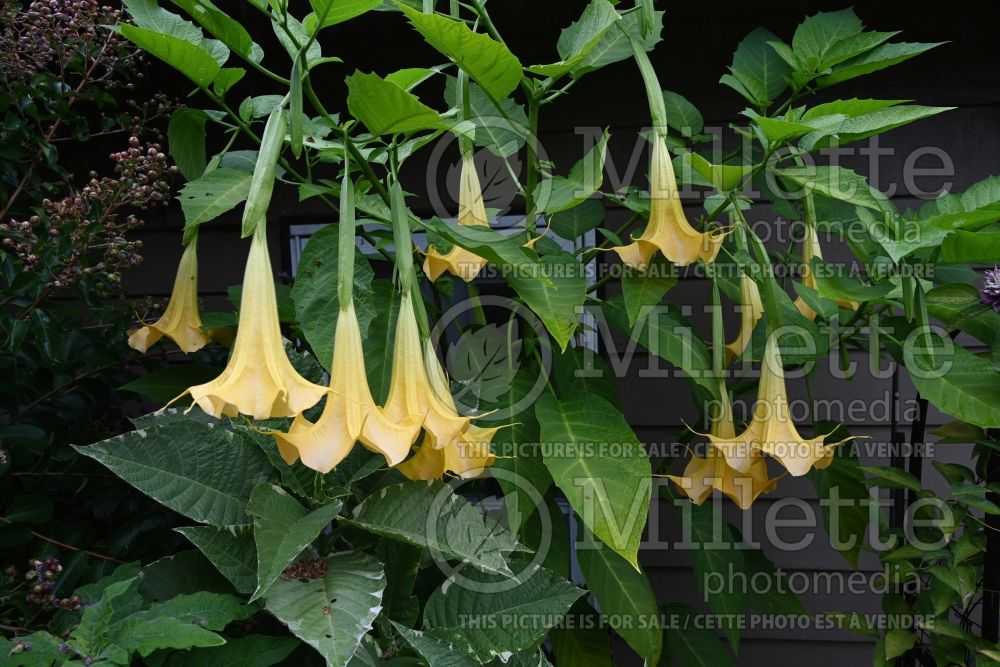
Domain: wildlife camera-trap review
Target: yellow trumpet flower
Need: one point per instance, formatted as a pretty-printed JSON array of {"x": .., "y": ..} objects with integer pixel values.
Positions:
[
  {"x": 668, "y": 230},
  {"x": 259, "y": 379},
  {"x": 810, "y": 249},
  {"x": 350, "y": 413},
  {"x": 181, "y": 321},
  {"x": 703, "y": 474},
  {"x": 411, "y": 394},
  {"x": 472, "y": 212},
  {"x": 751, "y": 311},
  {"x": 771, "y": 431},
  {"x": 468, "y": 455}
]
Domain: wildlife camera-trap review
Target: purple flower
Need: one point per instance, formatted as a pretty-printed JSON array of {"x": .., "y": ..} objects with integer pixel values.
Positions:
[{"x": 991, "y": 289}]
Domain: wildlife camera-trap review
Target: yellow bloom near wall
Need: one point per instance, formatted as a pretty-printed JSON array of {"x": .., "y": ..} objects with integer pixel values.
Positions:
[
  {"x": 181, "y": 321},
  {"x": 350, "y": 413},
  {"x": 771, "y": 431},
  {"x": 411, "y": 396},
  {"x": 259, "y": 379},
  {"x": 668, "y": 230},
  {"x": 810, "y": 249},
  {"x": 472, "y": 212}
]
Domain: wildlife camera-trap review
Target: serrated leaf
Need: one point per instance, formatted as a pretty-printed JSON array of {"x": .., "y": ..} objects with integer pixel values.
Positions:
[
  {"x": 836, "y": 183},
  {"x": 436, "y": 651},
  {"x": 581, "y": 37},
  {"x": 615, "y": 44},
  {"x": 817, "y": 34},
  {"x": 230, "y": 549},
  {"x": 758, "y": 73},
  {"x": 197, "y": 469},
  {"x": 877, "y": 59},
  {"x": 332, "y": 613},
  {"x": 332, "y": 12}
]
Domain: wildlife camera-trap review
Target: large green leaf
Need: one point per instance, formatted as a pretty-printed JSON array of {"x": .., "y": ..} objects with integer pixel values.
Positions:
[
  {"x": 332, "y": 613},
  {"x": 559, "y": 193},
  {"x": 197, "y": 469},
  {"x": 816, "y": 36},
  {"x": 39, "y": 649},
  {"x": 667, "y": 335},
  {"x": 645, "y": 290},
  {"x": 249, "y": 651},
  {"x": 615, "y": 44},
  {"x": 842, "y": 486},
  {"x": 862, "y": 126},
  {"x": 962, "y": 384},
  {"x": 315, "y": 292},
  {"x": 579, "y": 39},
  {"x": 282, "y": 529},
  {"x": 503, "y": 131},
  {"x": 230, "y": 549},
  {"x": 717, "y": 554},
  {"x": 186, "y": 141},
  {"x": 558, "y": 305},
  {"x": 380, "y": 339},
  {"x": 624, "y": 594},
  {"x": 166, "y": 383},
  {"x": 229, "y": 31},
  {"x": 332, "y": 12},
  {"x": 758, "y": 73},
  {"x": 436, "y": 651},
  {"x": 585, "y": 643},
  {"x": 499, "y": 621},
  {"x": 836, "y": 183},
  {"x": 206, "y": 198},
  {"x": 577, "y": 221},
  {"x": 385, "y": 108},
  {"x": 962, "y": 247},
  {"x": 191, "y": 60},
  {"x": 881, "y": 57},
  {"x": 608, "y": 487},
  {"x": 682, "y": 115},
  {"x": 690, "y": 642},
  {"x": 487, "y": 61},
  {"x": 433, "y": 517}
]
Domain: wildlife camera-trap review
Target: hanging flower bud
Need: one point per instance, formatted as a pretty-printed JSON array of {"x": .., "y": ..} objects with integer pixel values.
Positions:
[
  {"x": 668, "y": 230},
  {"x": 751, "y": 310},
  {"x": 810, "y": 249},
  {"x": 471, "y": 211},
  {"x": 181, "y": 321}
]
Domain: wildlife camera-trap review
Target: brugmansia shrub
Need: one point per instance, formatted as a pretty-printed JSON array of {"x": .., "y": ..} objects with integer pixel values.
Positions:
[{"x": 317, "y": 501}]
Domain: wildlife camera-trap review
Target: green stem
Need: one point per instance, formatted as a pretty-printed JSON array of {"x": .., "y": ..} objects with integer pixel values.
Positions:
[
  {"x": 534, "y": 168},
  {"x": 654, "y": 92},
  {"x": 347, "y": 242}
]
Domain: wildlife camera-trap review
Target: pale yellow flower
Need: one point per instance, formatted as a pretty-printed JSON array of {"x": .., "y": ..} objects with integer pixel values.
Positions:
[
  {"x": 810, "y": 249},
  {"x": 472, "y": 212},
  {"x": 412, "y": 398},
  {"x": 751, "y": 310},
  {"x": 259, "y": 379},
  {"x": 181, "y": 321},
  {"x": 350, "y": 413},
  {"x": 668, "y": 230},
  {"x": 771, "y": 431}
]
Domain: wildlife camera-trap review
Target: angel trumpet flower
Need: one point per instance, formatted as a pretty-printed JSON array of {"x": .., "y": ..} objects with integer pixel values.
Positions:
[
  {"x": 181, "y": 321},
  {"x": 472, "y": 212},
  {"x": 703, "y": 474},
  {"x": 810, "y": 249},
  {"x": 467, "y": 456},
  {"x": 412, "y": 397},
  {"x": 751, "y": 311},
  {"x": 668, "y": 230},
  {"x": 771, "y": 431},
  {"x": 259, "y": 379},
  {"x": 350, "y": 413}
]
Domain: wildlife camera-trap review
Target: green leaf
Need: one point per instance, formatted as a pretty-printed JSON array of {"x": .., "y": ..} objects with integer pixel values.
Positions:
[
  {"x": 624, "y": 593},
  {"x": 314, "y": 293},
  {"x": 717, "y": 553},
  {"x": 772, "y": 600},
  {"x": 230, "y": 549},
  {"x": 186, "y": 141},
  {"x": 249, "y": 651},
  {"x": 39, "y": 649},
  {"x": 816, "y": 36},
  {"x": 615, "y": 44},
  {"x": 682, "y": 115},
  {"x": 334, "y": 612},
  {"x": 577, "y": 221},
  {"x": 962, "y": 247},
  {"x": 868, "y": 124},
  {"x": 758, "y": 73},
  {"x": 509, "y": 618},
  {"x": 385, "y": 108},
  {"x": 282, "y": 529},
  {"x": 842, "y": 486},
  {"x": 488, "y": 62},
  {"x": 380, "y": 339},
  {"x": 968, "y": 389},
  {"x": 433, "y": 517},
  {"x": 723, "y": 177},
  {"x": 578, "y": 40},
  {"x": 167, "y": 383},
  {"x": 182, "y": 573},
  {"x": 667, "y": 335},
  {"x": 559, "y": 193},
  {"x": 836, "y": 183},
  {"x": 692, "y": 644},
  {"x": 641, "y": 291},
  {"x": 558, "y": 304},
  {"x": 898, "y": 642},
  {"x": 197, "y": 469},
  {"x": 892, "y": 478},
  {"x": 503, "y": 134},
  {"x": 213, "y": 611},
  {"x": 833, "y": 282},
  {"x": 189, "y": 59},
  {"x": 585, "y": 644},
  {"x": 436, "y": 651},
  {"x": 855, "y": 45},
  {"x": 877, "y": 59},
  {"x": 609, "y": 489},
  {"x": 229, "y": 31},
  {"x": 206, "y": 198},
  {"x": 332, "y": 12}
]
